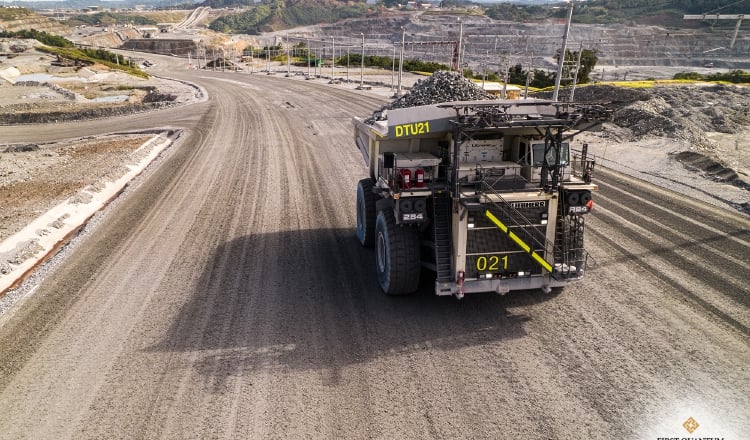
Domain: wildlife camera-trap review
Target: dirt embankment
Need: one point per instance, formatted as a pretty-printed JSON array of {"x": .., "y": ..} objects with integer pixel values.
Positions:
[
  {"x": 33, "y": 178},
  {"x": 709, "y": 119},
  {"x": 36, "y": 87}
]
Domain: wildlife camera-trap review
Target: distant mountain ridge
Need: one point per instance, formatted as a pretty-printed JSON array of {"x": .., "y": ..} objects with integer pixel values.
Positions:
[{"x": 255, "y": 16}]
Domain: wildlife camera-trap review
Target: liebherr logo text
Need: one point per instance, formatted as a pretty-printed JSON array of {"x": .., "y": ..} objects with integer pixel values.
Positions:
[{"x": 519, "y": 205}]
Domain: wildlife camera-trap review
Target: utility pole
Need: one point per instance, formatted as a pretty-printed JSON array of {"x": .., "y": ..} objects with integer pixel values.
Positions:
[
  {"x": 288, "y": 59},
  {"x": 307, "y": 46},
  {"x": 333, "y": 57},
  {"x": 575, "y": 76},
  {"x": 528, "y": 76},
  {"x": 562, "y": 52},
  {"x": 401, "y": 61}
]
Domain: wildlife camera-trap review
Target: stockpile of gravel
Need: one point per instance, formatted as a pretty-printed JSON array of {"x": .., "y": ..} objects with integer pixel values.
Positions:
[
  {"x": 599, "y": 94},
  {"x": 442, "y": 86},
  {"x": 651, "y": 117}
]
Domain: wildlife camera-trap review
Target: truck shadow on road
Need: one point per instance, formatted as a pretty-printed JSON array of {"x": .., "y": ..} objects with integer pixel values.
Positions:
[{"x": 309, "y": 300}]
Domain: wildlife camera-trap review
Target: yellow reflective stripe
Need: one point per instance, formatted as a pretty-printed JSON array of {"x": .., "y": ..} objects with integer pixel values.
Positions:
[
  {"x": 538, "y": 258},
  {"x": 542, "y": 261},
  {"x": 497, "y": 222},
  {"x": 518, "y": 241}
]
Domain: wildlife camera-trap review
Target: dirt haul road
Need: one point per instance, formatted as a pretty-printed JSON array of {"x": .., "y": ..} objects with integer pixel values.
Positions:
[{"x": 226, "y": 297}]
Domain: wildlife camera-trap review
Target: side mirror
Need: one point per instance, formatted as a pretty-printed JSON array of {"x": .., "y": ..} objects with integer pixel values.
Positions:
[{"x": 389, "y": 160}]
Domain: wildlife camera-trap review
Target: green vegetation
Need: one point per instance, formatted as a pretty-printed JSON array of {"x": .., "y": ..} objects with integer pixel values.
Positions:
[
  {"x": 7, "y": 14},
  {"x": 65, "y": 48},
  {"x": 252, "y": 21},
  {"x": 97, "y": 56},
  {"x": 40, "y": 36},
  {"x": 735, "y": 76},
  {"x": 517, "y": 75},
  {"x": 541, "y": 78},
  {"x": 411, "y": 65},
  {"x": 588, "y": 62},
  {"x": 110, "y": 18},
  {"x": 519, "y": 13},
  {"x": 261, "y": 18},
  {"x": 301, "y": 15}
]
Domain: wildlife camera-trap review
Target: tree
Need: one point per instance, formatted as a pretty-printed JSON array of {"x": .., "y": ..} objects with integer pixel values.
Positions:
[{"x": 588, "y": 63}]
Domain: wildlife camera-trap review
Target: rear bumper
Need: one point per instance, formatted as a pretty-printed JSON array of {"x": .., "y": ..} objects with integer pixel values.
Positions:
[{"x": 501, "y": 286}]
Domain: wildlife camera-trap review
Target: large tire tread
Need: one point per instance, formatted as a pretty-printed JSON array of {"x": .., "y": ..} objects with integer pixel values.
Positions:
[
  {"x": 404, "y": 255},
  {"x": 366, "y": 231}
]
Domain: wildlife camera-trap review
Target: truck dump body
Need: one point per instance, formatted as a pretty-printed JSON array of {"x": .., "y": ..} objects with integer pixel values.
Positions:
[{"x": 485, "y": 190}]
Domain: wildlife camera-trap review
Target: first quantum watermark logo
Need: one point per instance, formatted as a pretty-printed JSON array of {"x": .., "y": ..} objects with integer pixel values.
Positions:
[{"x": 691, "y": 425}]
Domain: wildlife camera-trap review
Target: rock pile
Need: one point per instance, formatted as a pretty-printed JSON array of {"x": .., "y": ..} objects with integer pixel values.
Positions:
[
  {"x": 442, "y": 86},
  {"x": 599, "y": 94},
  {"x": 675, "y": 112}
]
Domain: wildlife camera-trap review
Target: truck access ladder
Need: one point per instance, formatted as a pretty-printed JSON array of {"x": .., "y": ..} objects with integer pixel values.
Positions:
[
  {"x": 569, "y": 249},
  {"x": 441, "y": 217}
]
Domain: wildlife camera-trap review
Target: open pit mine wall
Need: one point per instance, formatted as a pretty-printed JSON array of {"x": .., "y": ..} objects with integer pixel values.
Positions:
[
  {"x": 619, "y": 45},
  {"x": 162, "y": 46}
]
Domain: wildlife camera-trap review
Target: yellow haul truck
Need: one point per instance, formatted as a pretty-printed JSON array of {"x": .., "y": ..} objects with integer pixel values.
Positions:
[{"x": 483, "y": 193}]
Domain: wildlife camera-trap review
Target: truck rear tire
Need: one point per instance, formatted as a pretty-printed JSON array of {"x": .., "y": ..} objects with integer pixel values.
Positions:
[
  {"x": 366, "y": 200},
  {"x": 397, "y": 259}
]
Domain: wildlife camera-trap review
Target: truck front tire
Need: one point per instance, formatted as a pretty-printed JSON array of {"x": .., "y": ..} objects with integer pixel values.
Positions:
[
  {"x": 366, "y": 200},
  {"x": 397, "y": 259}
]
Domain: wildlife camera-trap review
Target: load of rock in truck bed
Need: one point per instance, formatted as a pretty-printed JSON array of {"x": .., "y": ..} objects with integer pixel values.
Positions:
[{"x": 442, "y": 86}]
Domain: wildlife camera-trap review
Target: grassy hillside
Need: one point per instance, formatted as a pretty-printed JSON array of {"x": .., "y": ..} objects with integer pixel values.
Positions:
[
  {"x": 280, "y": 14},
  {"x": 65, "y": 48}
]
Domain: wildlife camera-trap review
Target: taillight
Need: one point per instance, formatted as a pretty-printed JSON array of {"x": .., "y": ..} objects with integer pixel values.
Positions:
[{"x": 420, "y": 178}]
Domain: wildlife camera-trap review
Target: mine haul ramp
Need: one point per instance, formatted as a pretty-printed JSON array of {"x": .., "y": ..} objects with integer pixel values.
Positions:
[{"x": 483, "y": 193}]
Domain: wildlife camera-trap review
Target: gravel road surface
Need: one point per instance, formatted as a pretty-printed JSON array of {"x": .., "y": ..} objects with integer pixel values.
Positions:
[{"x": 227, "y": 297}]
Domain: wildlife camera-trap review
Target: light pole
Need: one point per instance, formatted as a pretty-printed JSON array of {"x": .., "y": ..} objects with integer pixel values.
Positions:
[
  {"x": 288, "y": 59},
  {"x": 484, "y": 74},
  {"x": 307, "y": 46},
  {"x": 401, "y": 61},
  {"x": 505, "y": 79},
  {"x": 362, "y": 66},
  {"x": 460, "y": 43},
  {"x": 393, "y": 69},
  {"x": 333, "y": 57},
  {"x": 528, "y": 77}
]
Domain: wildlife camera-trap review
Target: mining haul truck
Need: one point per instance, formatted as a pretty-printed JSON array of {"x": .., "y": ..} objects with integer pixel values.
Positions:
[{"x": 483, "y": 193}]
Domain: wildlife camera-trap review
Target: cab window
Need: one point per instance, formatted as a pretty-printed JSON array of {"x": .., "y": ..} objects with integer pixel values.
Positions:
[{"x": 538, "y": 152}]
